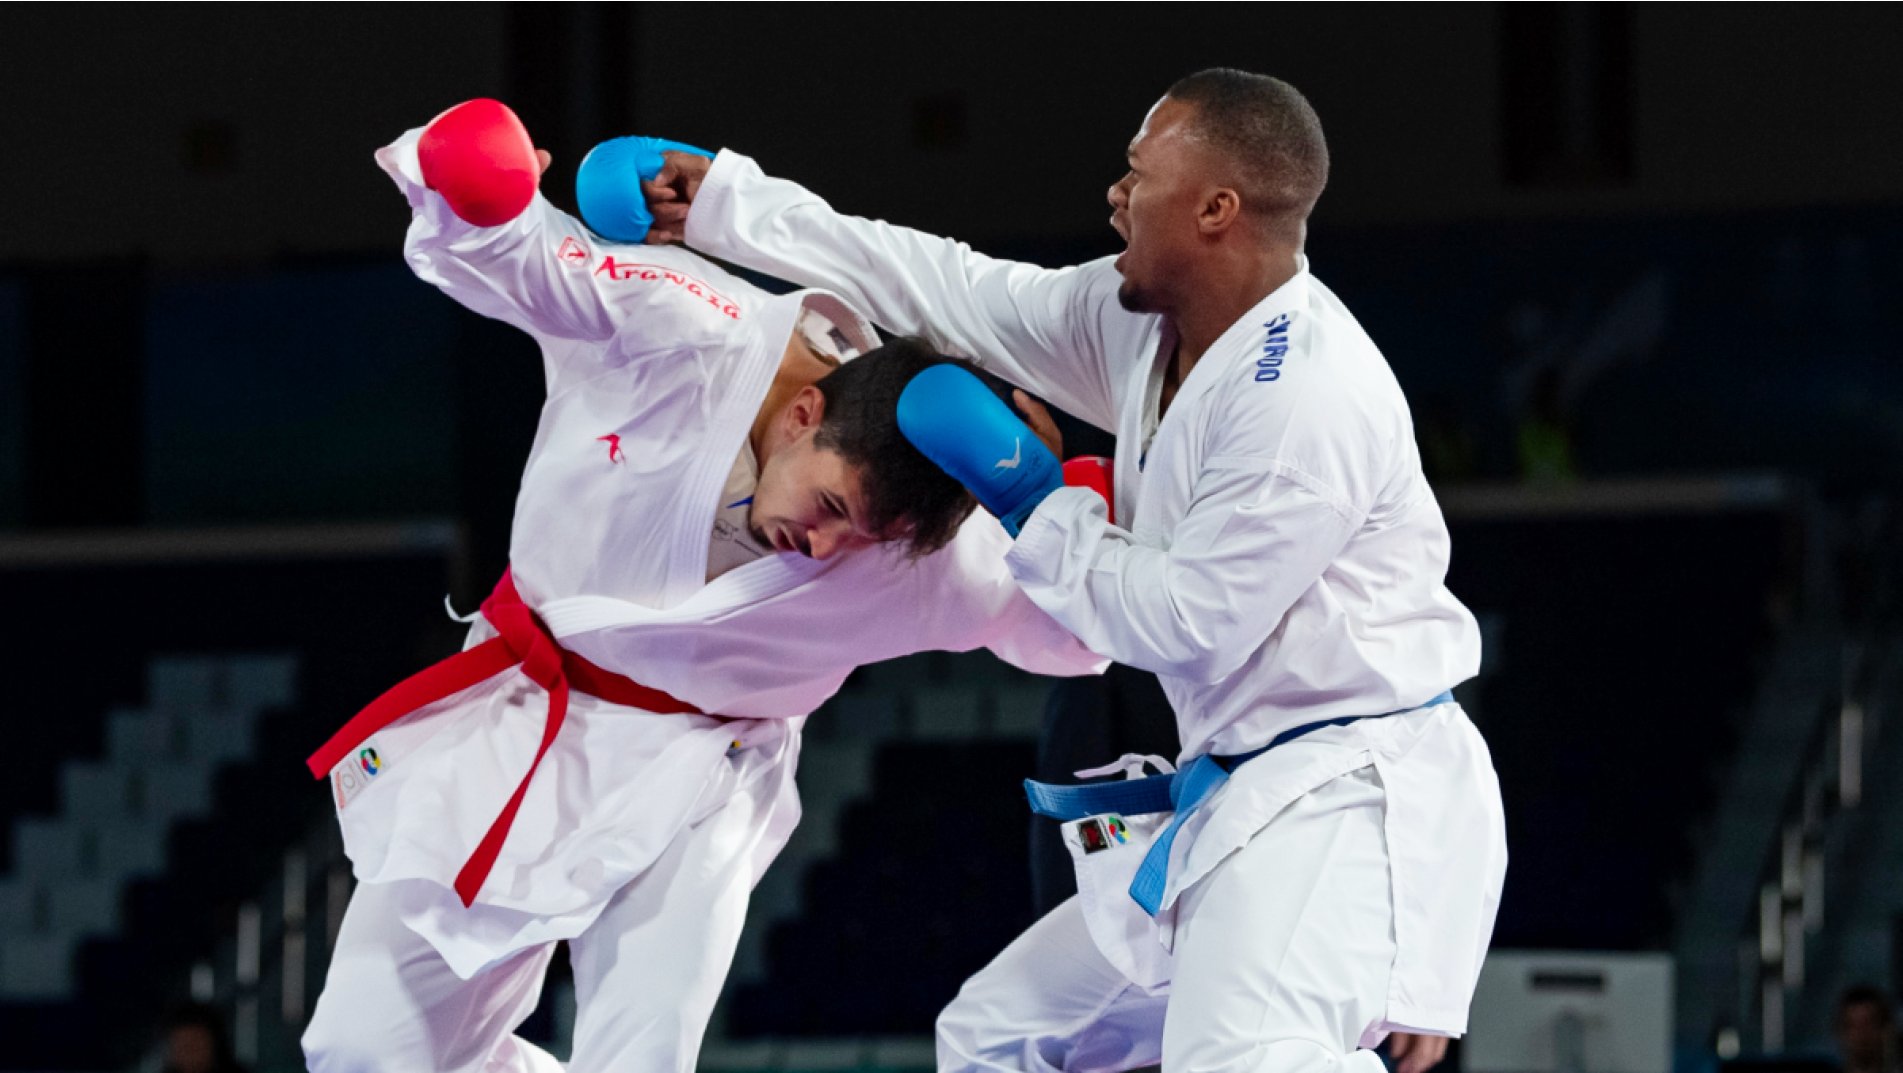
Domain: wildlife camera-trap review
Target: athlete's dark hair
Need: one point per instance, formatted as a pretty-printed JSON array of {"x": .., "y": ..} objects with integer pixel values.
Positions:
[
  {"x": 1266, "y": 128},
  {"x": 905, "y": 493}
]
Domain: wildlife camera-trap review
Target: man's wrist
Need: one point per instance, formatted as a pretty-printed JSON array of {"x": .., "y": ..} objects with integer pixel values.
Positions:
[
  {"x": 710, "y": 200},
  {"x": 1037, "y": 554}
]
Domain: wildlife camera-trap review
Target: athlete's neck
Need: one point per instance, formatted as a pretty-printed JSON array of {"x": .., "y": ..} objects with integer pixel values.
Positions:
[
  {"x": 1214, "y": 301},
  {"x": 801, "y": 365}
]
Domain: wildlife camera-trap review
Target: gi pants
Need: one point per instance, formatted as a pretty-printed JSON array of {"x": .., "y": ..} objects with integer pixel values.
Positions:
[
  {"x": 647, "y": 973},
  {"x": 1282, "y": 959}
]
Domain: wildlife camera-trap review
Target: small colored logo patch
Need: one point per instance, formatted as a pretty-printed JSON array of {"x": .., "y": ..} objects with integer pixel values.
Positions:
[
  {"x": 1098, "y": 833},
  {"x": 354, "y": 774}
]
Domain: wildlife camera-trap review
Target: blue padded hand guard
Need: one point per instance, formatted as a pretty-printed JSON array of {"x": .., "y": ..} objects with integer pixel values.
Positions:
[
  {"x": 608, "y": 185},
  {"x": 972, "y": 434}
]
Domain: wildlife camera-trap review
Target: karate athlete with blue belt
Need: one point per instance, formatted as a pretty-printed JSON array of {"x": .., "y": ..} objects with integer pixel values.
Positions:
[{"x": 1332, "y": 869}]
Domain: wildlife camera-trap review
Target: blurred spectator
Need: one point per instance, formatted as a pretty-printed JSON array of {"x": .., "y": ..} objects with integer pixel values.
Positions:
[
  {"x": 1866, "y": 1030},
  {"x": 196, "y": 1042}
]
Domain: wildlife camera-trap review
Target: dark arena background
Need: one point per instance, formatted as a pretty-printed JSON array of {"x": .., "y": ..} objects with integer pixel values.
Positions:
[{"x": 1635, "y": 266}]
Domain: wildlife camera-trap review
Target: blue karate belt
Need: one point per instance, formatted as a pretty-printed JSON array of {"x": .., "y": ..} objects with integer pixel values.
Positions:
[{"x": 1182, "y": 793}]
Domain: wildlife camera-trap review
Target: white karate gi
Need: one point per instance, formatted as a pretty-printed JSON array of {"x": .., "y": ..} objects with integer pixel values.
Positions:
[
  {"x": 1279, "y": 560},
  {"x": 641, "y": 834}
]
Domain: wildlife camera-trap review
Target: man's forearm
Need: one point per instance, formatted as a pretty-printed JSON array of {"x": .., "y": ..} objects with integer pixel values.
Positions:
[
  {"x": 1032, "y": 326},
  {"x": 512, "y": 272},
  {"x": 1197, "y": 609}
]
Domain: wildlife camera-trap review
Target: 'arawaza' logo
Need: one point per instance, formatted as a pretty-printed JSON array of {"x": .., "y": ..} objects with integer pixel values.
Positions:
[
  {"x": 572, "y": 251},
  {"x": 626, "y": 271}
]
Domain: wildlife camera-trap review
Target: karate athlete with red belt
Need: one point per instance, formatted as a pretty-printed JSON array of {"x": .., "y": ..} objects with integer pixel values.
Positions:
[
  {"x": 696, "y": 566},
  {"x": 1324, "y": 870}
]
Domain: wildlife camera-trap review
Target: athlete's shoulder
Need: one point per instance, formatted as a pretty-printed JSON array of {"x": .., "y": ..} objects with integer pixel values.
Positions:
[
  {"x": 1304, "y": 385},
  {"x": 972, "y": 561}
]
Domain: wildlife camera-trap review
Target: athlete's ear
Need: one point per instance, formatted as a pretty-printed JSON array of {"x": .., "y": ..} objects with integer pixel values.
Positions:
[
  {"x": 806, "y": 410},
  {"x": 1220, "y": 210}
]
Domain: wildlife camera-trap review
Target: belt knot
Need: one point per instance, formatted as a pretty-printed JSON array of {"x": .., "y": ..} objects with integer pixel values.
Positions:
[
  {"x": 526, "y": 636},
  {"x": 522, "y": 640}
]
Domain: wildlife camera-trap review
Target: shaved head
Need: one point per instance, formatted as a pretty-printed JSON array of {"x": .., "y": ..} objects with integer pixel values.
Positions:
[{"x": 1262, "y": 129}]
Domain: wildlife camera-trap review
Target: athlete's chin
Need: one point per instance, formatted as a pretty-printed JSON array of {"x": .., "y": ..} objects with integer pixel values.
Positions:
[{"x": 1133, "y": 297}]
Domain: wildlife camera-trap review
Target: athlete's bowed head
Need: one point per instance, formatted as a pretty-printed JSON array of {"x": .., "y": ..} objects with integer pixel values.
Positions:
[{"x": 836, "y": 474}]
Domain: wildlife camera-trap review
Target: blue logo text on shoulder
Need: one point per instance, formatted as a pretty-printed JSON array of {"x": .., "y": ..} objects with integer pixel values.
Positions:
[{"x": 1274, "y": 349}]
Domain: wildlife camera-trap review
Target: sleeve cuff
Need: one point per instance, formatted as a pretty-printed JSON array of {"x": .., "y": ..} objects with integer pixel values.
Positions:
[
  {"x": 704, "y": 230},
  {"x": 1037, "y": 557},
  {"x": 402, "y": 163},
  {"x": 399, "y": 161}
]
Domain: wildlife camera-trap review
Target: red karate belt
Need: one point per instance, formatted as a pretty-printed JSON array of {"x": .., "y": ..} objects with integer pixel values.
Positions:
[{"x": 522, "y": 641}]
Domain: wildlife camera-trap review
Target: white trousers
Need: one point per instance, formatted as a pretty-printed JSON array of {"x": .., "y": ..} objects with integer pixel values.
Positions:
[
  {"x": 647, "y": 973},
  {"x": 1283, "y": 953}
]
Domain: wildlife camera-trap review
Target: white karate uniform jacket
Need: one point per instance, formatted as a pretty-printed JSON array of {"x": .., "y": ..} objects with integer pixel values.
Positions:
[
  {"x": 657, "y": 363},
  {"x": 1278, "y": 559}
]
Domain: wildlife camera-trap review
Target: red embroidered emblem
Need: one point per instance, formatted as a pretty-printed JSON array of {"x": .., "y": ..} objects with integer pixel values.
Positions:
[
  {"x": 614, "y": 446},
  {"x": 626, "y": 271},
  {"x": 572, "y": 251}
]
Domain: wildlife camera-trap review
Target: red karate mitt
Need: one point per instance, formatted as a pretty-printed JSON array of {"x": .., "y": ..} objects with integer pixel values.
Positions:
[
  {"x": 1095, "y": 473},
  {"x": 479, "y": 157}
]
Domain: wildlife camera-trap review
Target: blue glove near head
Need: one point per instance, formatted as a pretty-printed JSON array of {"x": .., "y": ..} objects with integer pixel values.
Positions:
[
  {"x": 608, "y": 185},
  {"x": 972, "y": 434}
]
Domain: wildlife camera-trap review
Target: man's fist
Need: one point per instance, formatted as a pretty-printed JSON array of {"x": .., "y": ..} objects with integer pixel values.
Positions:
[
  {"x": 1416, "y": 1054},
  {"x": 479, "y": 157},
  {"x": 670, "y": 193},
  {"x": 967, "y": 431},
  {"x": 610, "y": 185}
]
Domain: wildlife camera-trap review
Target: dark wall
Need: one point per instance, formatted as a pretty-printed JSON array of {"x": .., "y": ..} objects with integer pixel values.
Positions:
[
  {"x": 194, "y": 133},
  {"x": 1692, "y": 215},
  {"x": 241, "y": 134},
  {"x": 12, "y": 404}
]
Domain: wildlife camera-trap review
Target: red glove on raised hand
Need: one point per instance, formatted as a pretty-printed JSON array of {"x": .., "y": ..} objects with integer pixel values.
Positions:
[{"x": 479, "y": 157}]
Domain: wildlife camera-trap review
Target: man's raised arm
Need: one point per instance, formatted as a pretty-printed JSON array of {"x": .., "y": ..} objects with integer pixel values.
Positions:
[
  {"x": 1057, "y": 333},
  {"x": 524, "y": 262}
]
